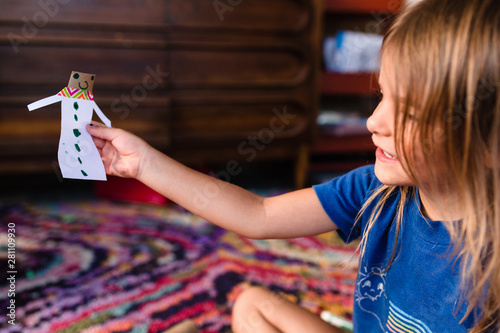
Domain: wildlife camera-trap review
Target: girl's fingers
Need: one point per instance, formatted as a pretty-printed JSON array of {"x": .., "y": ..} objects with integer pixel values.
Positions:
[
  {"x": 99, "y": 143},
  {"x": 97, "y": 124},
  {"x": 100, "y": 131}
]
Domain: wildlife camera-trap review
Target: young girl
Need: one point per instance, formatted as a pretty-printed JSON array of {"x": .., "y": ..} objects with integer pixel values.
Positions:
[{"x": 428, "y": 211}]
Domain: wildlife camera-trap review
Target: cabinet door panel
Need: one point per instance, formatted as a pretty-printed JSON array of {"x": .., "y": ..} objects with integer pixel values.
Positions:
[
  {"x": 276, "y": 15},
  {"x": 237, "y": 67},
  {"x": 53, "y": 65},
  {"x": 41, "y": 13},
  {"x": 236, "y": 121}
]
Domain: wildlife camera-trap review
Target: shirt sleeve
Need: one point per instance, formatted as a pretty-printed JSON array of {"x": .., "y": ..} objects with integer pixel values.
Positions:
[{"x": 343, "y": 197}]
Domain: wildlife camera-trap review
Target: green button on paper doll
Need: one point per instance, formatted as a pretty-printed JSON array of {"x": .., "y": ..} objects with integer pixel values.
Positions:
[{"x": 78, "y": 156}]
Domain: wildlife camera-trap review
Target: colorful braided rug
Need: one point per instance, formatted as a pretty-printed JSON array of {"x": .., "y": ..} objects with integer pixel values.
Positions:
[{"x": 98, "y": 266}]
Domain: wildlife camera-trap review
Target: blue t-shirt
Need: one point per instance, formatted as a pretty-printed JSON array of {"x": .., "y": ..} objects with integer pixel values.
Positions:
[{"x": 420, "y": 291}]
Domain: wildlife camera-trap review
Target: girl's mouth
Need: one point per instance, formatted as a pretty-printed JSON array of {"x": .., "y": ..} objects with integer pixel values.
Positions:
[
  {"x": 388, "y": 155},
  {"x": 384, "y": 156}
]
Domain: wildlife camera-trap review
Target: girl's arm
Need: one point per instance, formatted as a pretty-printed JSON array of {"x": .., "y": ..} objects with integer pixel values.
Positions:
[{"x": 289, "y": 215}]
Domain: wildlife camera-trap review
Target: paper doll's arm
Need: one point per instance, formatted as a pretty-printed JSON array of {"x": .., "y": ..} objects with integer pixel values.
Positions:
[
  {"x": 101, "y": 115},
  {"x": 44, "y": 102}
]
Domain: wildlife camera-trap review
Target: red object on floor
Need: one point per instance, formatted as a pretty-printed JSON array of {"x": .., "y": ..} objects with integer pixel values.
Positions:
[{"x": 128, "y": 189}]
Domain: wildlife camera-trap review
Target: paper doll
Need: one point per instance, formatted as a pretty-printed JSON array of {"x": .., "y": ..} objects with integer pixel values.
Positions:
[{"x": 78, "y": 156}]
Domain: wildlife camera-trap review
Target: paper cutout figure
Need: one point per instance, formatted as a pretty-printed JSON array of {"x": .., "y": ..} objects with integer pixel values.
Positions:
[{"x": 78, "y": 156}]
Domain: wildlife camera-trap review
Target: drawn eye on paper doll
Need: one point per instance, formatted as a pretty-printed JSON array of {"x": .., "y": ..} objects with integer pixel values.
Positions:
[
  {"x": 77, "y": 155},
  {"x": 370, "y": 290}
]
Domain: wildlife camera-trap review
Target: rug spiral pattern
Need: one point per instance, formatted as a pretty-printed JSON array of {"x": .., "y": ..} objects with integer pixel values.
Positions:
[{"x": 102, "y": 267}]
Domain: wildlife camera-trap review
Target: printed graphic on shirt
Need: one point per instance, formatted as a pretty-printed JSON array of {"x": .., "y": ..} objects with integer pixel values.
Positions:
[
  {"x": 399, "y": 321},
  {"x": 370, "y": 292}
]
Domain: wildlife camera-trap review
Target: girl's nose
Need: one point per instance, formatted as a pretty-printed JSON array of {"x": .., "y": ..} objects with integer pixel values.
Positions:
[{"x": 380, "y": 121}]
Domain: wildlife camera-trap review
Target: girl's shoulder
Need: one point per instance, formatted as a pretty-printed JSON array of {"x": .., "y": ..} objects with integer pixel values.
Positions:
[
  {"x": 360, "y": 182},
  {"x": 343, "y": 198}
]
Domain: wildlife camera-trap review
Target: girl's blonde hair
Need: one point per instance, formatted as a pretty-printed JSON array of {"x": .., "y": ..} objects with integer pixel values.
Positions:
[{"x": 446, "y": 54}]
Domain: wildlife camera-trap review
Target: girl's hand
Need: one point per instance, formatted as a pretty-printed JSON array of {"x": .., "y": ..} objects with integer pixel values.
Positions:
[{"x": 123, "y": 154}]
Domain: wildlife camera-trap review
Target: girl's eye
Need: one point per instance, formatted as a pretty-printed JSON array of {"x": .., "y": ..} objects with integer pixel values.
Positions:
[{"x": 379, "y": 94}]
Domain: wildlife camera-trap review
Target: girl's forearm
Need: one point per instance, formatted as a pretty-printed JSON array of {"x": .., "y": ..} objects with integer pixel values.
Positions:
[{"x": 219, "y": 202}]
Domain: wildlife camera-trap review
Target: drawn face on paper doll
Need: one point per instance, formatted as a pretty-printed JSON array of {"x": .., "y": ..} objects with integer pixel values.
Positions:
[{"x": 82, "y": 81}]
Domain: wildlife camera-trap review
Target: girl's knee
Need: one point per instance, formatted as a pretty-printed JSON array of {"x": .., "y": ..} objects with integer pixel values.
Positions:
[
  {"x": 252, "y": 309},
  {"x": 249, "y": 299}
]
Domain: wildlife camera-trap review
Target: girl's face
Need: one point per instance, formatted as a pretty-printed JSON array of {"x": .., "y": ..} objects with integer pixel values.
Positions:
[
  {"x": 440, "y": 205},
  {"x": 388, "y": 165}
]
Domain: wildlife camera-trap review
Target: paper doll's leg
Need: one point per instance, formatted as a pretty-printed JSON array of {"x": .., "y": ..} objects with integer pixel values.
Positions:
[
  {"x": 80, "y": 159},
  {"x": 44, "y": 102}
]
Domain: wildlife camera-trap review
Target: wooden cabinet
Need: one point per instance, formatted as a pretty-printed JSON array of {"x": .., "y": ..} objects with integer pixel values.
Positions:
[
  {"x": 204, "y": 81},
  {"x": 341, "y": 153},
  {"x": 363, "y": 7}
]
